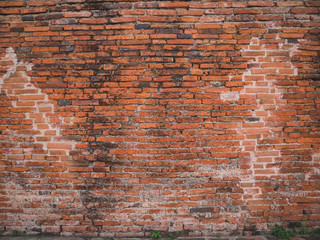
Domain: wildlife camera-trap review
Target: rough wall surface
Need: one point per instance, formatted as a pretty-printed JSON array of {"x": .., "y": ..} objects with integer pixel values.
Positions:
[{"x": 119, "y": 118}]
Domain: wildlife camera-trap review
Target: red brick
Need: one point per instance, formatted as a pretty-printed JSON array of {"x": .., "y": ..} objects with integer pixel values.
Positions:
[
  {"x": 93, "y": 21},
  {"x": 122, "y": 19},
  {"x": 269, "y": 18},
  {"x": 174, "y": 5},
  {"x": 211, "y": 19},
  {"x": 45, "y": 49},
  {"x": 151, "y": 19},
  {"x": 182, "y": 19},
  {"x": 220, "y": 48},
  {"x": 290, "y": 3},
  {"x": 36, "y": 29},
  {"x": 120, "y": 26},
  {"x": 77, "y": 14},
  {"x": 42, "y": 3},
  {"x": 219, "y": 11},
  {"x": 120, "y": 117},
  {"x": 17, "y": 169},
  {"x": 33, "y": 10},
  {"x": 4, "y": 4},
  {"x": 305, "y": 10},
  {"x": 312, "y": 4},
  {"x": 107, "y": 223},
  {"x": 247, "y": 11},
  {"x": 132, "y": 12},
  {"x": 9, "y": 11},
  {"x": 190, "y": 13},
  {"x": 162, "y": 36},
  {"x": 260, "y": 4},
  {"x": 207, "y": 26},
  {"x": 232, "y": 4},
  {"x": 161, "y": 12},
  {"x": 206, "y": 5},
  {"x": 180, "y": 41}
]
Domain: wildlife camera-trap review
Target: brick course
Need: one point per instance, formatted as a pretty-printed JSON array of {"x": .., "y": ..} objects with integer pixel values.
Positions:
[{"x": 119, "y": 118}]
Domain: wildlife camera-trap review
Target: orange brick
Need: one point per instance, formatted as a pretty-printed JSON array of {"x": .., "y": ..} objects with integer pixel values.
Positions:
[
  {"x": 174, "y": 5},
  {"x": 4, "y": 4},
  {"x": 117, "y": 117}
]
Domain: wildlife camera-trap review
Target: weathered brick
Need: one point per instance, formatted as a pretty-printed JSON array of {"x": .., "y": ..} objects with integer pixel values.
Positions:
[
  {"x": 45, "y": 49},
  {"x": 207, "y": 26},
  {"x": 33, "y": 10},
  {"x": 36, "y": 29},
  {"x": 260, "y": 4},
  {"x": 77, "y": 14},
  {"x": 151, "y": 19},
  {"x": 305, "y": 10},
  {"x": 162, "y": 36},
  {"x": 122, "y": 19},
  {"x": 119, "y": 118},
  {"x": 93, "y": 20},
  {"x": 42, "y": 3},
  {"x": 190, "y": 13},
  {"x": 4, "y": 4},
  {"x": 132, "y": 12},
  {"x": 9, "y": 11},
  {"x": 312, "y": 3},
  {"x": 232, "y": 4},
  {"x": 247, "y": 11},
  {"x": 218, "y": 11},
  {"x": 290, "y": 3},
  {"x": 161, "y": 12},
  {"x": 174, "y": 5},
  {"x": 201, "y": 210}
]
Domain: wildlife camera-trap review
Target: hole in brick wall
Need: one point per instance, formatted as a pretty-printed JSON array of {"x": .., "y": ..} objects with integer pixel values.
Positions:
[
  {"x": 292, "y": 40},
  {"x": 142, "y": 26},
  {"x": 253, "y": 119},
  {"x": 64, "y": 102},
  {"x": 294, "y": 225}
]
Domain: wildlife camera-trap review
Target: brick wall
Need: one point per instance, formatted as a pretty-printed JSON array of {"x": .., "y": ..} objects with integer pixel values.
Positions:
[{"x": 119, "y": 118}]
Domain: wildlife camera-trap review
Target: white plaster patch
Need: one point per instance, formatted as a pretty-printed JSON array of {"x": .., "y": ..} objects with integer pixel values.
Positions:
[
  {"x": 17, "y": 86},
  {"x": 274, "y": 94},
  {"x": 229, "y": 96},
  {"x": 40, "y": 119},
  {"x": 262, "y": 88},
  {"x": 315, "y": 165}
]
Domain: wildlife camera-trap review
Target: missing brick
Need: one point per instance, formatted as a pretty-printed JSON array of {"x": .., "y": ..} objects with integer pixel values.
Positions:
[
  {"x": 64, "y": 102},
  {"x": 252, "y": 119}
]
